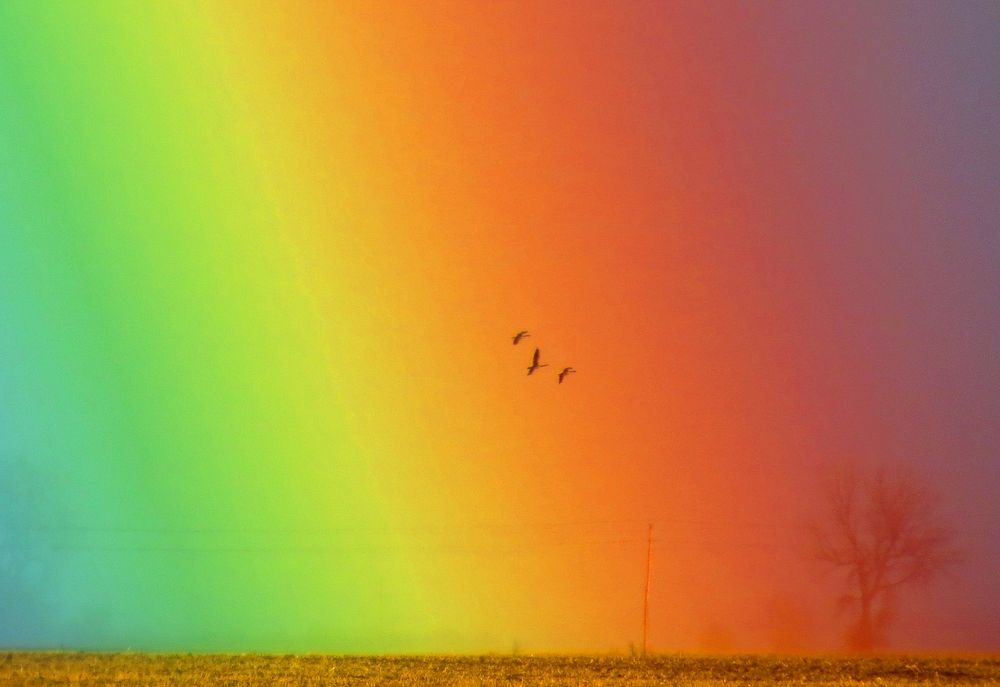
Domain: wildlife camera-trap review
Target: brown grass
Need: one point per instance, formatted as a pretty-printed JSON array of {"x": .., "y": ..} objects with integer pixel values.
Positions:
[{"x": 252, "y": 670}]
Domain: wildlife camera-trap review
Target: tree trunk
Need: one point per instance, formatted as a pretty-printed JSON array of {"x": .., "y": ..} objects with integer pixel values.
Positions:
[{"x": 863, "y": 635}]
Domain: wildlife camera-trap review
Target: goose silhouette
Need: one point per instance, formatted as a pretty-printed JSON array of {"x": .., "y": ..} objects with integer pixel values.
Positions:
[
  {"x": 534, "y": 362},
  {"x": 520, "y": 335},
  {"x": 566, "y": 371}
]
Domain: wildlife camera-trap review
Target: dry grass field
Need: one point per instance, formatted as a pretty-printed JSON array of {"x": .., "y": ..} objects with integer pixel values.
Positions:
[{"x": 251, "y": 670}]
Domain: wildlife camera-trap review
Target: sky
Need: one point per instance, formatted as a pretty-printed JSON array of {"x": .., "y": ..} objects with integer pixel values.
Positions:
[{"x": 260, "y": 266}]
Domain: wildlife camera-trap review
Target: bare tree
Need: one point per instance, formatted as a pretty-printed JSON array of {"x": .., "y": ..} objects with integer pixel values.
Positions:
[{"x": 884, "y": 534}]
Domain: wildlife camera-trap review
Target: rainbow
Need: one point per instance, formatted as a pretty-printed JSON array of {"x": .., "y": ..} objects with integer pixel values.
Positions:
[{"x": 260, "y": 268}]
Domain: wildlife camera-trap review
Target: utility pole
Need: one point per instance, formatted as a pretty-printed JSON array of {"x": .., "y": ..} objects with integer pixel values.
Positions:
[{"x": 645, "y": 603}]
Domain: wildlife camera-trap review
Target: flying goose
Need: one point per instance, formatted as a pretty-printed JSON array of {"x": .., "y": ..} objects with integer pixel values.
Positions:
[{"x": 535, "y": 364}]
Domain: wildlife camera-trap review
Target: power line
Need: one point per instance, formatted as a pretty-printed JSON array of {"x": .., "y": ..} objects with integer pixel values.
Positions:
[
  {"x": 500, "y": 537},
  {"x": 317, "y": 531}
]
